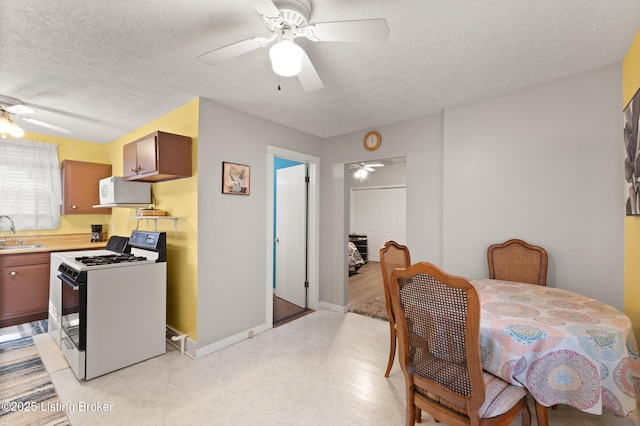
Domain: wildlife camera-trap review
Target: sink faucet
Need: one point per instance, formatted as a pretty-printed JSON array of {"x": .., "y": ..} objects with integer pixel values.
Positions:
[{"x": 12, "y": 228}]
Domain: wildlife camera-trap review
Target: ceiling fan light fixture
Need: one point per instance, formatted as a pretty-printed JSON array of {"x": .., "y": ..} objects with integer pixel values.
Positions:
[
  {"x": 16, "y": 131},
  {"x": 286, "y": 58},
  {"x": 361, "y": 174},
  {"x": 7, "y": 125}
]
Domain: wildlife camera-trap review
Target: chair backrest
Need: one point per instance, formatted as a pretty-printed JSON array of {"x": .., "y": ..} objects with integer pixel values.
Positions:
[
  {"x": 438, "y": 328},
  {"x": 516, "y": 260},
  {"x": 392, "y": 256}
]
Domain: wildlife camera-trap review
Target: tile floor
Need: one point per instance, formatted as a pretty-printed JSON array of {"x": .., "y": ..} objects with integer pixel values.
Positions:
[{"x": 323, "y": 369}]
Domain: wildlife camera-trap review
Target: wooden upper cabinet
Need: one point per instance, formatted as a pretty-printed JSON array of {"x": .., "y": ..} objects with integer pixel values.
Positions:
[
  {"x": 157, "y": 157},
  {"x": 81, "y": 186}
]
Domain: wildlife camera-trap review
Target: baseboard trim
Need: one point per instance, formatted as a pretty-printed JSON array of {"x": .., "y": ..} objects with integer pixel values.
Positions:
[
  {"x": 221, "y": 344},
  {"x": 336, "y": 308}
]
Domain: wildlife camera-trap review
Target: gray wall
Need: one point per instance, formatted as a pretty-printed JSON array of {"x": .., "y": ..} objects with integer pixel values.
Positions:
[
  {"x": 544, "y": 165},
  {"x": 232, "y": 229}
]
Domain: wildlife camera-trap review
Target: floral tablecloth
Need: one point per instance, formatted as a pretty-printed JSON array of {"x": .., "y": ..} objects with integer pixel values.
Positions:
[{"x": 565, "y": 348}]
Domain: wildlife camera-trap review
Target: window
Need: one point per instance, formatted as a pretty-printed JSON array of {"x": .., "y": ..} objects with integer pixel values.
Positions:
[{"x": 30, "y": 184}]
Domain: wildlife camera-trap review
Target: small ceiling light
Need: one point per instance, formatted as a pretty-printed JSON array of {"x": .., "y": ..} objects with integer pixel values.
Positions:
[
  {"x": 360, "y": 174},
  {"x": 286, "y": 56},
  {"x": 7, "y": 125}
]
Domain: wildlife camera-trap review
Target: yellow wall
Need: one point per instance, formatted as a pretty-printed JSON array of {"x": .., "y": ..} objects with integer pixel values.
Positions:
[
  {"x": 631, "y": 84},
  {"x": 73, "y": 149},
  {"x": 178, "y": 198}
]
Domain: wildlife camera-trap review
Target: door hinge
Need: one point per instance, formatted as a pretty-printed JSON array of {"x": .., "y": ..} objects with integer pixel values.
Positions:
[
  {"x": 306, "y": 284},
  {"x": 306, "y": 179}
]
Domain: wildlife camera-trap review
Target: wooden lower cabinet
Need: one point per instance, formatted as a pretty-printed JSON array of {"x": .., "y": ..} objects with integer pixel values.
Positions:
[{"x": 24, "y": 288}]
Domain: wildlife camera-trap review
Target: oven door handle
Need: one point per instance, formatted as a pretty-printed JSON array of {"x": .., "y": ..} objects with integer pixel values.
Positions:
[
  {"x": 67, "y": 342},
  {"x": 69, "y": 282}
]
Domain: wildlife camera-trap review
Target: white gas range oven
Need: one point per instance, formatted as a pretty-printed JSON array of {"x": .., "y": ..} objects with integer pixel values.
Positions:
[{"x": 112, "y": 308}]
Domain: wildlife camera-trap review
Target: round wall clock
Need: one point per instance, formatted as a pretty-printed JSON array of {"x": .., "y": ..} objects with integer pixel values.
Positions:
[{"x": 372, "y": 140}]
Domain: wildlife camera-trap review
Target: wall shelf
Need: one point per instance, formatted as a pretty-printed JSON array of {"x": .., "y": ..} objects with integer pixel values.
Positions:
[
  {"x": 132, "y": 206},
  {"x": 155, "y": 220}
]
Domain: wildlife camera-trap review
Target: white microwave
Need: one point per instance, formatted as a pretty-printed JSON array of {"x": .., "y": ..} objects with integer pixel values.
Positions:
[{"x": 117, "y": 190}]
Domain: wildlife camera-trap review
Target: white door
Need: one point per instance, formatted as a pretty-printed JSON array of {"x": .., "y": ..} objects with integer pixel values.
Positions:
[
  {"x": 291, "y": 199},
  {"x": 380, "y": 214}
]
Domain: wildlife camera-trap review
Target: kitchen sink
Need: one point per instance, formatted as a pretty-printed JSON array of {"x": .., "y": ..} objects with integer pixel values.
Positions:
[{"x": 25, "y": 246}]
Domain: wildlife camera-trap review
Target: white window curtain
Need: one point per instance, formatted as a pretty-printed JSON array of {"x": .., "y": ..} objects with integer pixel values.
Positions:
[{"x": 30, "y": 184}]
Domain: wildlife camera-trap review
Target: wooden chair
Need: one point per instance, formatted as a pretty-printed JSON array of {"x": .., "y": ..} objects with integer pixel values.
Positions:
[
  {"x": 516, "y": 260},
  {"x": 392, "y": 256},
  {"x": 438, "y": 327}
]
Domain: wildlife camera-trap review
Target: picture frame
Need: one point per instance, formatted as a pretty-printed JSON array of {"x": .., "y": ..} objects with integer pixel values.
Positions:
[
  {"x": 236, "y": 178},
  {"x": 631, "y": 116}
]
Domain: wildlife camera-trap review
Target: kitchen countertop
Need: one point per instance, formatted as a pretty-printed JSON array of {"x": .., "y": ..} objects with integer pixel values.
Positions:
[{"x": 50, "y": 243}]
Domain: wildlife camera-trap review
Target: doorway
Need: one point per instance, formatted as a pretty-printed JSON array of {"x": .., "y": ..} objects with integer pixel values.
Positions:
[
  {"x": 290, "y": 232},
  {"x": 377, "y": 213},
  {"x": 292, "y": 214}
]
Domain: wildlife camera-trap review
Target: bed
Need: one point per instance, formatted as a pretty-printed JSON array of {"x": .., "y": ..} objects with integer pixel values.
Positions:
[{"x": 355, "y": 259}]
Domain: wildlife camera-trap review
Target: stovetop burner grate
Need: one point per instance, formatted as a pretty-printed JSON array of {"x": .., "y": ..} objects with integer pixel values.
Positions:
[{"x": 109, "y": 259}]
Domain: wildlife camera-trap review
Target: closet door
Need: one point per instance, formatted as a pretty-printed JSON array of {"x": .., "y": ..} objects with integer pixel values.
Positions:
[
  {"x": 371, "y": 223},
  {"x": 380, "y": 214},
  {"x": 393, "y": 215}
]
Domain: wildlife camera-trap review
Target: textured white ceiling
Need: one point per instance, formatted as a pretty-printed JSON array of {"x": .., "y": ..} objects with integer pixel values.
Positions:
[{"x": 104, "y": 68}]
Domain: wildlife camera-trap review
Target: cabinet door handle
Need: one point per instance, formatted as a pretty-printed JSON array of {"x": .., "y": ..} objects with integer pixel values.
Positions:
[
  {"x": 74, "y": 207},
  {"x": 13, "y": 273}
]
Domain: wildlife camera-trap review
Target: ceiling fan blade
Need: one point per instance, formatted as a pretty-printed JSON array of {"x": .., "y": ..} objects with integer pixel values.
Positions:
[
  {"x": 375, "y": 165},
  {"x": 374, "y": 30},
  {"x": 265, "y": 8},
  {"x": 231, "y": 51},
  {"x": 369, "y": 169},
  {"x": 45, "y": 124},
  {"x": 308, "y": 76},
  {"x": 20, "y": 109}
]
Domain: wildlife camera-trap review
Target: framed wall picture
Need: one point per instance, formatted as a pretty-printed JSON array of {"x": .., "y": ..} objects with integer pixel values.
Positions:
[
  {"x": 632, "y": 155},
  {"x": 236, "y": 178}
]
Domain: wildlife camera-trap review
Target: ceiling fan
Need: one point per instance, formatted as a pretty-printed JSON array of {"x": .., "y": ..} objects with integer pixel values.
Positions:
[
  {"x": 287, "y": 20},
  {"x": 363, "y": 169},
  {"x": 369, "y": 167},
  {"x": 11, "y": 108}
]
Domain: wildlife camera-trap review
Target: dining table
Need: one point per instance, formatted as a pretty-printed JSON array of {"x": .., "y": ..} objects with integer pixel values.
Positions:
[{"x": 564, "y": 347}]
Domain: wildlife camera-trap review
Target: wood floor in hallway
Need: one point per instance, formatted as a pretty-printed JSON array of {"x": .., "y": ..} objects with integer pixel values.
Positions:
[{"x": 366, "y": 284}]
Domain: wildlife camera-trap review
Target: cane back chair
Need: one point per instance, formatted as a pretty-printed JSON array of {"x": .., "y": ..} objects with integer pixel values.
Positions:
[
  {"x": 438, "y": 328},
  {"x": 516, "y": 260},
  {"x": 392, "y": 256}
]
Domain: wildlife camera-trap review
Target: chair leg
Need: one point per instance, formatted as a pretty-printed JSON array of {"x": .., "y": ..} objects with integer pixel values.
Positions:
[
  {"x": 526, "y": 415},
  {"x": 418, "y": 415},
  {"x": 541, "y": 415},
  {"x": 392, "y": 348},
  {"x": 411, "y": 414}
]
